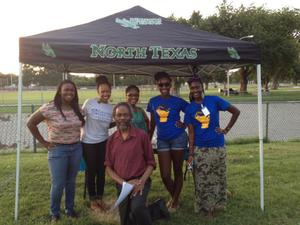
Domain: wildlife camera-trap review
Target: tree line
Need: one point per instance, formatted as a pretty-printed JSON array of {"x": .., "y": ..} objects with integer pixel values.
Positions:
[{"x": 276, "y": 32}]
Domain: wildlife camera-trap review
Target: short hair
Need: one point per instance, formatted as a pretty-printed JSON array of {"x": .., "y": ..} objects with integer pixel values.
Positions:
[
  {"x": 101, "y": 79},
  {"x": 125, "y": 104},
  {"x": 132, "y": 87},
  {"x": 160, "y": 75}
]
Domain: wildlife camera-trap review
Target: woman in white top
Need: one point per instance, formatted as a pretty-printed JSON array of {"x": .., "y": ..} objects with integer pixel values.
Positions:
[{"x": 98, "y": 116}]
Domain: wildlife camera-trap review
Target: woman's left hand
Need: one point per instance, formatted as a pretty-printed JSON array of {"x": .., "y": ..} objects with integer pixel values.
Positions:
[
  {"x": 219, "y": 130},
  {"x": 180, "y": 124}
]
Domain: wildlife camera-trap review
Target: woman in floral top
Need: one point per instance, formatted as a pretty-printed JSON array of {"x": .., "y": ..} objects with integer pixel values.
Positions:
[{"x": 64, "y": 120}]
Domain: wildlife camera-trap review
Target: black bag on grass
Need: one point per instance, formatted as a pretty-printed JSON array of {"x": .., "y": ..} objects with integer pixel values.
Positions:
[{"x": 158, "y": 210}]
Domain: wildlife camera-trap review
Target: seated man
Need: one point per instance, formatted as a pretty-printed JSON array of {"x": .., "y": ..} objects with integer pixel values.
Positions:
[{"x": 129, "y": 158}]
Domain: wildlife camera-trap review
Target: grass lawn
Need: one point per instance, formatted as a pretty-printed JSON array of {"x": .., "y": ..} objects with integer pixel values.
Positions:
[
  {"x": 282, "y": 192},
  {"x": 42, "y": 96}
]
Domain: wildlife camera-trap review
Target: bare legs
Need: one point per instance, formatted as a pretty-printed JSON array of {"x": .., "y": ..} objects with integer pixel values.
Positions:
[{"x": 174, "y": 186}]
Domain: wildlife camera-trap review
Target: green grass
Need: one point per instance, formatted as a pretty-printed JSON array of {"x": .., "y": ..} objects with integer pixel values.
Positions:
[
  {"x": 282, "y": 192},
  {"x": 42, "y": 96}
]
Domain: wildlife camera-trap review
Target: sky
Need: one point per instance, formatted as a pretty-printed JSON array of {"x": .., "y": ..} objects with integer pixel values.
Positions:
[{"x": 19, "y": 18}]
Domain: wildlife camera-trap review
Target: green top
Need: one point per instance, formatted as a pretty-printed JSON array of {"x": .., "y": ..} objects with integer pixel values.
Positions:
[{"x": 138, "y": 120}]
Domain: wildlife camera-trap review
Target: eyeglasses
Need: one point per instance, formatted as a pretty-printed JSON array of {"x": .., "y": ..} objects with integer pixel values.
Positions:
[{"x": 164, "y": 84}]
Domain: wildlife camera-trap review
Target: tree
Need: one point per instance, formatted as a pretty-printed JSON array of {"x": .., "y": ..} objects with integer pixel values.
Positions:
[
  {"x": 295, "y": 73},
  {"x": 245, "y": 72},
  {"x": 279, "y": 45},
  {"x": 220, "y": 77},
  {"x": 29, "y": 75},
  {"x": 7, "y": 79},
  {"x": 275, "y": 32},
  {"x": 48, "y": 77}
]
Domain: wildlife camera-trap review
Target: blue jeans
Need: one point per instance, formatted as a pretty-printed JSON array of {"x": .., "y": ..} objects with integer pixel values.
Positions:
[
  {"x": 178, "y": 143},
  {"x": 63, "y": 160}
]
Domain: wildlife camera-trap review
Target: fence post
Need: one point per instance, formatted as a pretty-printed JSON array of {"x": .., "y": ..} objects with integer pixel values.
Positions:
[
  {"x": 34, "y": 140},
  {"x": 267, "y": 121}
]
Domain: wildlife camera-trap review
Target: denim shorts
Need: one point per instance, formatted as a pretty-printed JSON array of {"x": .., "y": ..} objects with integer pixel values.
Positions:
[{"x": 178, "y": 143}]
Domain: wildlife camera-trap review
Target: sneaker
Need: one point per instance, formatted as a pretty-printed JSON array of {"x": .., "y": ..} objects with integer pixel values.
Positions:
[
  {"x": 55, "y": 218},
  {"x": 71, "y": 214},
  {"x": 173, "y": 209},
  {"x": 169, "y": 203}
]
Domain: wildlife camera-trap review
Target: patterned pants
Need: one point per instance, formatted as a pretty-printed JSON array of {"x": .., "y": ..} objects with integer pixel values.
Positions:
[{"x": 210, "y": 178}]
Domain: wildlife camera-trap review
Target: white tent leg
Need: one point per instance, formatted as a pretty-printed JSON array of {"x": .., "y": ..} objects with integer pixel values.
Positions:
[
  {"x": 19, "y": 120},
  {"x": 260, "y": 133},
  {"x": 228, "y": 80}
]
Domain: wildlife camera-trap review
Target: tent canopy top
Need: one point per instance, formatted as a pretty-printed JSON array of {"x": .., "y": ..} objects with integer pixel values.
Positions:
[{"x": 135, "y": 41}]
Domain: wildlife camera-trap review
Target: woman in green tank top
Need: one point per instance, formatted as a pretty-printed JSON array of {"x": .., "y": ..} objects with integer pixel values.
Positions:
[{"x": 140, "y": 118}]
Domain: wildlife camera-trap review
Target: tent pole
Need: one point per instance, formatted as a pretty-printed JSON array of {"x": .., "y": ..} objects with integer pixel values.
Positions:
[
  {"x": 19, "y": 120},
  {"x": 260, "y": 132},
  {"x": 114, "y": 81},
  {"x": 228, "y": 80}
]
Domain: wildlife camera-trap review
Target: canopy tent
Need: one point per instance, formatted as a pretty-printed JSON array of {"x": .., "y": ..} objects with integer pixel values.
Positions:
[{"x": 136, "y": 42}]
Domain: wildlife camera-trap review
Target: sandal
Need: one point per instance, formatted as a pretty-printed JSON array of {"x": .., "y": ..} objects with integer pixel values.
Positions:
[
  {"x": 102, "y": 205},
  {"x": 94, "y": 206}
]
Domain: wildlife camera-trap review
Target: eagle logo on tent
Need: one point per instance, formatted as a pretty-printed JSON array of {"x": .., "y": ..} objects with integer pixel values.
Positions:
[
  {"x": 135, "y": 23},
  {"x": 127, "y": 23},
  {"x": 48, "y": 51},
  {"x": 233, "y": 53}
]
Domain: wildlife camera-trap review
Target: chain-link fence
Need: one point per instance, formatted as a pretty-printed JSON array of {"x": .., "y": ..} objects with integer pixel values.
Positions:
[{"x": 281, "y": 122}]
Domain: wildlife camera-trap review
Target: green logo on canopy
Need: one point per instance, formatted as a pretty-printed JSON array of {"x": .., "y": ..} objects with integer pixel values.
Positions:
[
  {"x": 48, "y": 51},
  {"x": 134, "y": 23},
  {"x": 233, "y": 53}
]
